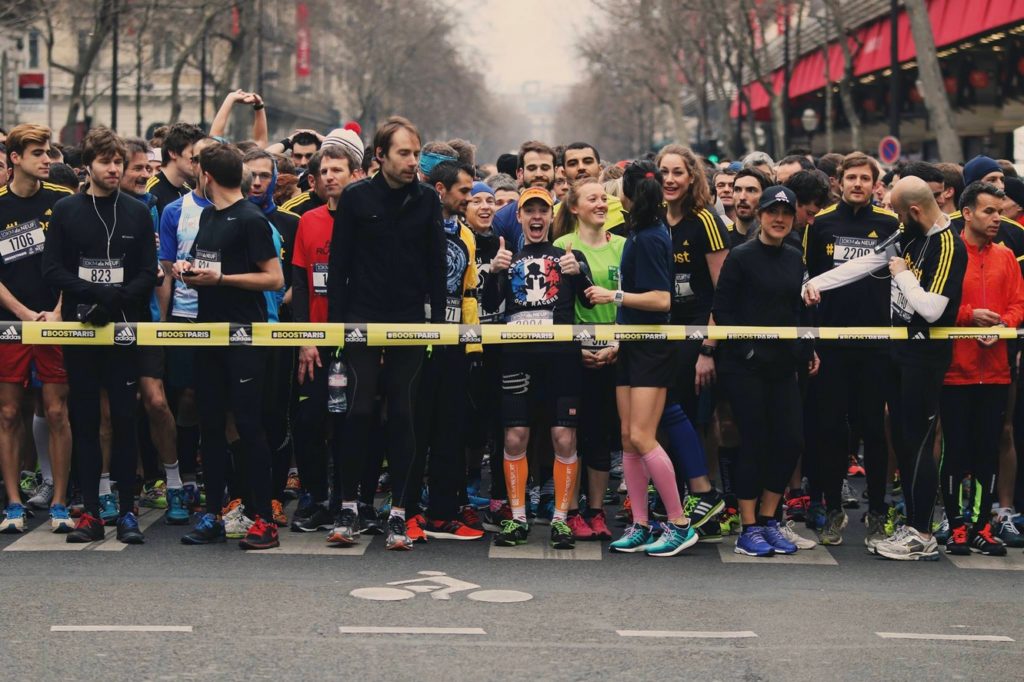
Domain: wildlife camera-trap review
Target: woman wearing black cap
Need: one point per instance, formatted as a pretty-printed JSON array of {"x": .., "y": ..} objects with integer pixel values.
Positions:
[{"x": 755, "y": 287}]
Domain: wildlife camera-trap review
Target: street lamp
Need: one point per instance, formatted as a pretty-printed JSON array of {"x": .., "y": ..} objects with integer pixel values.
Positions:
[{"x": 810, "y": 120}]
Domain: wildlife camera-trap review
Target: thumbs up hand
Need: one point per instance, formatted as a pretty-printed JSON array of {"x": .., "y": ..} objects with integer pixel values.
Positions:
[
  {"x": 568, "y": 263},
  {"x": 503, "y": 259}
]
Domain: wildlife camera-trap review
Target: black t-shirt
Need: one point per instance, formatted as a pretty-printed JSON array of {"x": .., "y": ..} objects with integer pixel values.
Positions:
[
  {"x": 486, "y": 250},
  {"x": 695, "y": 236},
  {"x": 164, "y": 192},
  {"x": 23, "y": 225},
  {"x": 233, "y": 240}
]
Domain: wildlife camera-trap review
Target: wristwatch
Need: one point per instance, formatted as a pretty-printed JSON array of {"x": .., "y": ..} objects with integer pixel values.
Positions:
[
  {"x": 619, "y": 295},
  {"x": 258, "y": 106},
  {"x": 708, "y": 350},
  {"x": 286, "y": 143}
]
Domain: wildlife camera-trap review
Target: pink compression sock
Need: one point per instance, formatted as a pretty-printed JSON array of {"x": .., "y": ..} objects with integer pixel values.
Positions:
[
  {"x": 635, "y": 473},
  {"x": 659, "y": 466}
]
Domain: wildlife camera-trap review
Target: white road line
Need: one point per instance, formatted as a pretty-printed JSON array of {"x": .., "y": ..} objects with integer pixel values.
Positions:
[
  {"x": 1011, "y": 562},
  {"x": 374, "y": 630},
  {"x": 42, "y": 539},
  {"x": 945, "y": 638},
  {"x": 540, "y": 549},
  {"x": 819, "y": 556},
  {"x": 314, "y": 543},
  {"x": 120, "y": 628},
  {"x": 689, "y": 634}
]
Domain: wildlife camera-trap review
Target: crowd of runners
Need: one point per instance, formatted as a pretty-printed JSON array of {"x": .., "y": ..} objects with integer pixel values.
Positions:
[{"x": 682, "y": 441}]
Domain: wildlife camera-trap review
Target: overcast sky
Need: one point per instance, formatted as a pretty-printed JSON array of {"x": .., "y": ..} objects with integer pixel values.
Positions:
[{"x": 526, "y": 40}]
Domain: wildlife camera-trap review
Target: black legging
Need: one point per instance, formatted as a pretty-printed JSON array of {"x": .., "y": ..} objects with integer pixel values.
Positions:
[
  {"x": 232, "y": 379},
  {"x": 313, "y": 424},
  {"x": 913, "y": 410},
  {"x": 115, "y": 369},
  {"x": 766, "y": 407},
  {"x": 485, "y": 424},
  {"x": 276, "y": 401},
  {"x": 972, "y": 425},
  {"x": 597, "y": 410},
  {"x": 398, "y": 378},
  {"x": 851, "y": 382}
]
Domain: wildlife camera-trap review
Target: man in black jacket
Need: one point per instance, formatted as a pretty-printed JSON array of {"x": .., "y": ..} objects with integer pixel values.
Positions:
[{"x": 388, "y": 256}]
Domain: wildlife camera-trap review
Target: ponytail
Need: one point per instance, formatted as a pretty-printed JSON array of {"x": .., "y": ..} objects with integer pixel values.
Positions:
[{"x": 641, "y": 184}]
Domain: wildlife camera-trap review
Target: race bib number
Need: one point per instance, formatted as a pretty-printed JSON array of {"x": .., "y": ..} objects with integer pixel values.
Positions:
[
  {"x": 532, "y": 317},
  {"x": 22, "y": 241},
  {"x": 683, "y": 290},
  {"x": 901, "y": 309},
  {"x": 848, "y": 248},
  {"x": 207, "y": 260},
  {"x": 320, "y": 279},
  {"x": 101, "y": 270},
  {"x": 453, "y": 309}
]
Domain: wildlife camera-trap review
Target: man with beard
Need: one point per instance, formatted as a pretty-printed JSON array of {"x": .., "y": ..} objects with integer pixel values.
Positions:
[
  {"x": 747, "y": 186},
  {"x": 177, "y": 171},
  {"x": 536, "y": 169}
]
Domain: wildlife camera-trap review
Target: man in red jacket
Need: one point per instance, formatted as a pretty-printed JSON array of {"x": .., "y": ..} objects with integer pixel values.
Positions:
[{"x": 974, "y": 400}]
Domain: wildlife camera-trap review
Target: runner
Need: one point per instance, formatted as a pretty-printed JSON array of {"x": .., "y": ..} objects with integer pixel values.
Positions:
[
  {"x": 100, "y": 254},
  {"x": 747, "y": 186},
  {"x": 177, "y": 170},
  {"x": 26, "y": 208}
]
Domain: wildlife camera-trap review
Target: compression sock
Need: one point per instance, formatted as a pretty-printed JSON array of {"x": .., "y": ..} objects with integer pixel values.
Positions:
[
  {"x": 565, "y": 472},
  {"x": 684, "y": 443},
  {"x": 516, "y": 471},
  {"x": 635, "y": 474},
  {"x": 41, "y": 435},
  {"x": 659, "y": 466}
]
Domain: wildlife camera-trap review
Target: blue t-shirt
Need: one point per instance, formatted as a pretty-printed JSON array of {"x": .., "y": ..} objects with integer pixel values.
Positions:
[
  {"x": 646, "y": 266},
  {"x": 506, "y": 224},
  {"x": 176, "y": 238}
]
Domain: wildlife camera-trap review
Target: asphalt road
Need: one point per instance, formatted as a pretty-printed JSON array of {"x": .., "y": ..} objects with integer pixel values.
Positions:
[{"x": 592, "y": 615}]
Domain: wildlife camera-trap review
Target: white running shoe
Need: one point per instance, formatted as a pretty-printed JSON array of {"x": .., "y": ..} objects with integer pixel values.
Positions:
[{"x": 789, "y": 532}]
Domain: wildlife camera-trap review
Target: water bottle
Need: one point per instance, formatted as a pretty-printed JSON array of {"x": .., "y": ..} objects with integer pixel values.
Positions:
[{"x": 337, "y": 386}]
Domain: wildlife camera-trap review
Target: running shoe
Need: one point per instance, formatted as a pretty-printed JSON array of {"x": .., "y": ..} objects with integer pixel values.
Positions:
[
  {"x": 532, "y": 501},
  {"x": 208, "y": 530},
  {"x": 14, "y": 519},
  {"x": 561, "y": 535},
  {"x": 752, "y": 542},
  {"x": 773, "y": 535},
  {"x": 1009, "y": 533},
  {"x": 983, "y": 542},
  {"x": 636, "y": 538},
  {"x": 581, "y": 530},
  {"x": 908, "y": 545},
  {"x": 346, "y": 527},
  {"x": 816, "y": 518},
  {"x": 293, "y": 487},
  {"x": 849, "y": 496},
  {"x": 730, "y": 522},
  {"x": 673, "y": 540},
  {"x": 493, "y": 519},
  {"x": 28, "y": 484},
  {"x": 89, "y": 529},
  {"x": 154, "y": 496},
  {"x": 194, "y": 499},
  {"x": 512, "y": 533},
  {"x": 796, "y": 504},
  {"x": 469, "y": 516},
  {"x": 625, "y": 513},
  {"x": 832, "y": 533},
  {"x": 369, "y": 522},
  {"x": 876, "y": 529},
  {"x": 261, "y": 535},
  {"x": 855, "y": 469},
  {"x": 710, "y": 533},
  {"x": 958, "y": 542},
  {"x": 108, "y": 510},
  {"x": 599, "y": 524},
  {"x": 177, "y": 512},
  {"x": 319, "y": 519},
  {"x": 384, "y": 483},
  {"x": 128, "y": 530},
  {"x": 894, "y": 519},
  {"x": 60, "y": 519},
  {"x": 236, "y": 523},
  {"x": 941, "y": 529},
  {"x": 702, "y": 507},
  {"x": 1018, "y": 520},
  {"x": 788, "y": 531},
  {"x": 451, "y": 530},
  {"x": 384, "y": 510},
  {"x": 398, "y": 538},
  {"x": 277, "y": 515},
  {"x": 42, "y": 497},
  {"x": 414, "y": 529}
]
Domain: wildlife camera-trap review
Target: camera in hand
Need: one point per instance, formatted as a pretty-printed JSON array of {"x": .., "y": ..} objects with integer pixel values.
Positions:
[{"x": 93, "y": 314}]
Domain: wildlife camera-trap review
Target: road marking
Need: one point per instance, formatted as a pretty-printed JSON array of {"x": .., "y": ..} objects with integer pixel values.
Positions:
[
  {"x": 120, "y": 628},
  {"x": 688, "y": 634},
  {"x": 315, "y": 543},
  {"x": 147, "y": 518},
  {"x": 540, "y": 549},
  {"x": 819, "y": 556},
  {"x": 1013, "y": 561},
  {"x": 375, "y": 630},
  {"x": 945, "y": 638},
  {"x": 42, "y": 539}
]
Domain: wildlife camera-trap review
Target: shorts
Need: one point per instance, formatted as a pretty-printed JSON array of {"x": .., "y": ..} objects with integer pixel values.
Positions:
[
  {"x": 550, "y": 379},
  {"x": 151, "y": 362},
  {"x": 648, "y": 364},
  {"x": 16, "y": 360}
]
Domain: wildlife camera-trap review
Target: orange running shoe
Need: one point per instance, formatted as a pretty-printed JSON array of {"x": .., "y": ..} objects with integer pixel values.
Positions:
[
  {"x": 414, "y": 528},
  {"x": 279, "y": 517}
]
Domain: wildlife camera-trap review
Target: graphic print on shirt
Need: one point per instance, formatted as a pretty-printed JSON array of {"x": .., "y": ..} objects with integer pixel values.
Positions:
[{"x": 536, "y": 283}]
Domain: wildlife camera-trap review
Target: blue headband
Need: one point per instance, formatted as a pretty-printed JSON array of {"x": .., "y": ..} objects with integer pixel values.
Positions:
[
  {"x": 479, "y": 187},
  {"x": 430, "y": 159}
]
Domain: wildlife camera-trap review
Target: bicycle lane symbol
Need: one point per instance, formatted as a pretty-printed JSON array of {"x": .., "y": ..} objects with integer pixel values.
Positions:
[{"x": 438, "y": 585}]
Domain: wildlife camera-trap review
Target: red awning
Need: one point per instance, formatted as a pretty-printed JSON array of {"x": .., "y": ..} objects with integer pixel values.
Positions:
[{"x": 953, "y": 21}]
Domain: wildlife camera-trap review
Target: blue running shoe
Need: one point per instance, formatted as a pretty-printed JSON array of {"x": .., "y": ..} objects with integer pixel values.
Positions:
[
  {"x": 816, "y": 518},
  {"x": 636, "y": 538},
  {"x": 207, "y": 531},
  {"x": 384, "y": 510},
  {"x": 546, "y": 510},
  {"x": 60, "y": 519},
  {"x": 128, "y": 530},
  {"x": 14, "y": 519},
  {"x": 751, "y": 542},
  {"x": 478, "y": 502},
  {"x": 779, "y": 543},
  {"x": 108, "y": 510},
  {"x": 674, "y": 539},
  {"x": 193, "y": 498},
  {"x": 177, "y": 512}
]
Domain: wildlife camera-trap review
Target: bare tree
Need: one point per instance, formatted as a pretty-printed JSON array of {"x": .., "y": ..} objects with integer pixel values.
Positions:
[
  {"x": 940, "y": 113},
  {"x": 844, "y": 35}
]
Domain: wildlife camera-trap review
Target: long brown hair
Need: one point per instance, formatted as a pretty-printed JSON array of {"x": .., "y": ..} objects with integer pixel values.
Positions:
[
  {"x": 565, "y": 221},
  {"x": 698, "y": 196}
]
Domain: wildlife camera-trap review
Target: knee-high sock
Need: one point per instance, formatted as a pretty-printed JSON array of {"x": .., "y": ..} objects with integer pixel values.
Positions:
[
  {"x": 659, "y": 466},
  {"x": 565, "y": 472},
  {"x": 516, "y": 471},
  {"x": 684, "y": 443}
]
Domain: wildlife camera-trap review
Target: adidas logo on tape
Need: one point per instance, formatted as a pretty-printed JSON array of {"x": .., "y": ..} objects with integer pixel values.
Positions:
[
  {"x": 809, "y": 335},
  {"x": 241, "y": 335},
  {"x": 125, "y": 336},
  {"x": 584, "y": 336},
  {"x": 470, "y": 336},
  {"x": 918, "y": 336},
  {"x": 355, "y": 336},
  {"x": 10, "y": 334},
  {"x": 696, "y": 336}
]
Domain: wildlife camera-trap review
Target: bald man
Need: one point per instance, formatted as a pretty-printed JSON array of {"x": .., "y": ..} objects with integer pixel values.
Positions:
[{"x": 927, "y": 262}]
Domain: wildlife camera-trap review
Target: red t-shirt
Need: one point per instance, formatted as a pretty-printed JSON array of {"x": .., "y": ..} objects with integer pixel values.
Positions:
[{"x": 312, "y": 249}]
